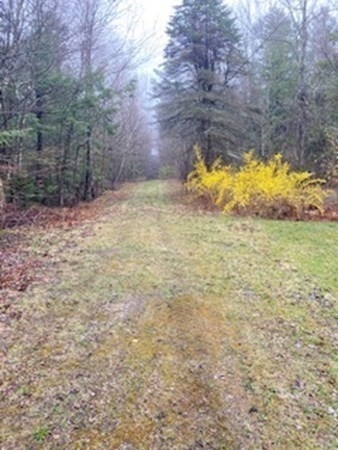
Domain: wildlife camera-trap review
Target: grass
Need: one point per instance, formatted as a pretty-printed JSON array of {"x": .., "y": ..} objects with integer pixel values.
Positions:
[{"x": 161, "y": 327}]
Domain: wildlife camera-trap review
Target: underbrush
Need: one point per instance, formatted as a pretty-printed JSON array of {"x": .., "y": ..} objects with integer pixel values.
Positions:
[
  {"x": 12, "y": 216},
  {"x": 265, "y": 189}
]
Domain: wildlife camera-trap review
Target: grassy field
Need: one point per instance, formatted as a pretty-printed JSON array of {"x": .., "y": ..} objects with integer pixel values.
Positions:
[{"x": 162, "y": 327}]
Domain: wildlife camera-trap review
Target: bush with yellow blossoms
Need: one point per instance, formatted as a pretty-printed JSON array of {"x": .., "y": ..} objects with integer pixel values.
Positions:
[{"x": 264, "y": 189}]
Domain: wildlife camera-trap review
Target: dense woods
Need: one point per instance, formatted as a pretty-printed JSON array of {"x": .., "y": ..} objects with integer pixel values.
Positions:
[
  {"x": 74, "y": 119},
  {"x": 71, "y": 123},
  {"x": 266, "y": 80}
]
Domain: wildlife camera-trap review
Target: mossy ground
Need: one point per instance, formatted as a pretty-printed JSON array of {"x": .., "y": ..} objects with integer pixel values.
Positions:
[{"x": 160, "y": 327}]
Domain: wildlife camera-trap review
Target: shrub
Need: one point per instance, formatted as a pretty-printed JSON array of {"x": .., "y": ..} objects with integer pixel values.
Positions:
[
  {"x": 166, "y": 172},
  {"x": 265, "y": 189}
]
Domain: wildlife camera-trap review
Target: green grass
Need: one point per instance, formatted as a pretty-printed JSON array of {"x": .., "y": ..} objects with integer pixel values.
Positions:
[
  {"x": 312, "y": 246},
  {"x": 41, "y": 434},
  {"x": 162, "y": 327}
]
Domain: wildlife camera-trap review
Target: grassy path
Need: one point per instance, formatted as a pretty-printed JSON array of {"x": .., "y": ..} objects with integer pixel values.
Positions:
[{"x": 159, "y": 327}]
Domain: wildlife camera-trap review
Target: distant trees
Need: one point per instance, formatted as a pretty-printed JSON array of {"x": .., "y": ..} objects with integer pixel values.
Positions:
[
  {"x": 267, "y": 80},
  {"x": 132, "y": 142},
  {"x": 322, "y": 150},
  {"x": 64, "y": 82},
  {"x": 276, "y": 68}
]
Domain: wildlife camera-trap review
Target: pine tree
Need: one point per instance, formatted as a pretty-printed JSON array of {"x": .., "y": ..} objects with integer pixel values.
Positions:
[
  {"x": 278, "y": 84},
  {"x": 202, "y": 62}
]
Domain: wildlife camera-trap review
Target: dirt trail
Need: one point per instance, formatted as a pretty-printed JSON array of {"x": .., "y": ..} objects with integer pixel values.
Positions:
[{"x": 158, "y": 327}]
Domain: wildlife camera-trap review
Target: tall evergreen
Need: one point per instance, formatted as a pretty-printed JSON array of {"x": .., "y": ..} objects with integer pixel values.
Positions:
[
  {"x": 278, "y": 85},
  {"x": 202, "y": 62}
]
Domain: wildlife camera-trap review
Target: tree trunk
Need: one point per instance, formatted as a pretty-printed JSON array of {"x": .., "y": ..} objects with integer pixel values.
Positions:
[
  {"x": 63, "y": 169},
  {"x": 119, "y": 173},
  {"x": 88, "y": 172},
  {"x": 39, "y": 116},
  {"x": 302, "y": 89},
  {"x": 2, "y": 196}
]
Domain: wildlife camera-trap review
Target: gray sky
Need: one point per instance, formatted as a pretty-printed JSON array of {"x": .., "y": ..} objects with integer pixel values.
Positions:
[{"x": 152, "y": 19}]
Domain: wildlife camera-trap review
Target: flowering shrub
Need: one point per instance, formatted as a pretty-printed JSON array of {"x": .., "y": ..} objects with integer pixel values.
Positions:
[{"x": 265, "y": 189}]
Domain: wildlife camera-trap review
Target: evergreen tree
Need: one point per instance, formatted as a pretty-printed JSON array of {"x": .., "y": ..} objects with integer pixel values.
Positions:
[
  {"x": 278, "y": 84},
  {"x": 202, "y": 62},
  {"x": 322, "y": 149}
]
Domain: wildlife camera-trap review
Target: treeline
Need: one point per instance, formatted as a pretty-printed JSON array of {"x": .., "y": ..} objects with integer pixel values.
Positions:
[
  {"x": 263, "y": 78},
  {"x": 71, "y": 122}
]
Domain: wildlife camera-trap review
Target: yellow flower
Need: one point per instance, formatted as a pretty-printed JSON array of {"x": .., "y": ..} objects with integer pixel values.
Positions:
[{"x": 267, "y": 189}]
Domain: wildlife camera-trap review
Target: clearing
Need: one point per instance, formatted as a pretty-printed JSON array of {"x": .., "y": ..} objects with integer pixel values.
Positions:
[{"x": 157, "y": 326}]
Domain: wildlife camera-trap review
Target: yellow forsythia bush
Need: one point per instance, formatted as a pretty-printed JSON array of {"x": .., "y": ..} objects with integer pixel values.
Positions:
[{"x": 265, "y": 189}]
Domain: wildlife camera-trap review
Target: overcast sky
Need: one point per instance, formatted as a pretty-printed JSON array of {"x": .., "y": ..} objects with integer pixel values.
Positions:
[{"x": 152, "y": 19}]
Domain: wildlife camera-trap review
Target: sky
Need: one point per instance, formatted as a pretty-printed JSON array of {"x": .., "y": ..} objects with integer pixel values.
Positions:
[{"x": 152, "y": 19}]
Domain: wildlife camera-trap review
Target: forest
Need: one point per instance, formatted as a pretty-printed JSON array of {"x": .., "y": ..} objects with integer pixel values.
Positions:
[{"x": 73, "y": 122}]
